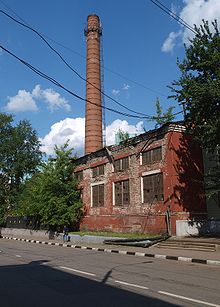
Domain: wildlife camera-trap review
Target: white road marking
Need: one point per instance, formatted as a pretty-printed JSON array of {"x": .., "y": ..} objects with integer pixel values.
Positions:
[
  {"x": 77, "y": 271},
  {"x": 123, "y": 252},
  {"x": 131, "y": 285},
  {"x": 185, "y": 259},
  {"x": 160, "y": 256},
  {"x": 19, "y": 256},
  {"x": 188, "y": 299}
]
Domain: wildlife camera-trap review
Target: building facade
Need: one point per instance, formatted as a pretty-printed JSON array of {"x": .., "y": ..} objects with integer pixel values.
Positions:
[{"x": 144, "y": 184}]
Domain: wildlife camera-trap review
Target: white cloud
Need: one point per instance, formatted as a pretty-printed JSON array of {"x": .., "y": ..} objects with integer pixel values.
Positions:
[
  {"x": 27, "y": 101},
  {"x": 169, "y": 43},
  {"x": 115, "y": 92},
  {"x": 113, "y": 128},
  {"x": 53, "y": 99},
  {"x": 22, "y": 102},
  {"x": 192, "y": 12},
  {"x": 125, "y": 87},
  {"x": 73, "y": 129},
  {"x": 173, "y": 9}
]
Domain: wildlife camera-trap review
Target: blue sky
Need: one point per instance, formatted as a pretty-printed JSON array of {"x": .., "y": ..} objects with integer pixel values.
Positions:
[{"x": 140, "y": 42}]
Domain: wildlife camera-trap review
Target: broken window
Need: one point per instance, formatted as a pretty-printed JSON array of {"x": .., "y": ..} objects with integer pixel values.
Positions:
[
  {"x": 121, "y": 164},
  {"x": 98, "y": 195},
  {"x": 151, "y": 156},
  {"x": 122, "y": 193},
  {"x": 98, "y": 170},
  {"x": 153, "y": 188}
]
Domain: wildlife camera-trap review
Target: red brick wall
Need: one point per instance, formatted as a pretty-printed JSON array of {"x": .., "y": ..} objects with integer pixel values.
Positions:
[{"x": 182, "y": 170}]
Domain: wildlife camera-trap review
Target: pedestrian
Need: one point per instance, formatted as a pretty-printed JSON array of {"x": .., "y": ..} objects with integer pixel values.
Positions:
[{"x": 65, "y": 233}]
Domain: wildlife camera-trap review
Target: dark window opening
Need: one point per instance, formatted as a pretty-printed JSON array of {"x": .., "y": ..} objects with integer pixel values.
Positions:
[
  {"x": 151, "y": 156},
  {"x": 98, "y": 170},
  {"x": 153, "y": 188},
  {"x": 79, "y": 175},
  {"x": 122, "y": 193},
  {"x": 98, "y": 195},
  {"x": 121, "y": 164}
]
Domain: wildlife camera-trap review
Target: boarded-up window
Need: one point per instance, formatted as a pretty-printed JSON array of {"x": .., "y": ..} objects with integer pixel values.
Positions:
[
  {"x": 151, "y": 156},
  {"x": 98, "y": 170},
  {"x": 79, "y": 175},
  {"x": 121, "y": 164},
  {"x": 98, "y": 195},
  {"x": 156, "y": 154},
  {"x": 153, "y": 188},
  {"x": 146, "y": 157},
  {"x": 122, "y": 193}
]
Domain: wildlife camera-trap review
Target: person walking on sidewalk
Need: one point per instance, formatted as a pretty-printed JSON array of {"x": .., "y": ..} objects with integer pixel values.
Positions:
[{"x": 65, "y": 234}]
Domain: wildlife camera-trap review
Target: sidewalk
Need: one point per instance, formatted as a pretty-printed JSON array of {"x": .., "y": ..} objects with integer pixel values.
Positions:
[{"x": 193, "y": 256}]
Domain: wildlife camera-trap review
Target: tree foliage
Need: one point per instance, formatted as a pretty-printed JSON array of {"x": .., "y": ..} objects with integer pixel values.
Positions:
[
  {"x": 52, "y": 193},
  {"x": 122, "y": 135},
  {"x": 20, "y": 156},
  {"x": 198, "y": 91},
  {"x": 161, "y": 117},
  {"x": 198, "y": 88}
]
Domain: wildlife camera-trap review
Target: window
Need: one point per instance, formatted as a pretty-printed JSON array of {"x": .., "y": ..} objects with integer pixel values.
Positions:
[
  {"x": 151, "y": 156},
  {"x": 98, "y": 195},
  {"x": 121, "y": 164},
  {"x": 79, "y": 175},
  {"x": 81, "y": 193},
  {"x": 98, "y": 170},
  {"x": 122, "y": 193},
  {"x": 152, "y": 188}
]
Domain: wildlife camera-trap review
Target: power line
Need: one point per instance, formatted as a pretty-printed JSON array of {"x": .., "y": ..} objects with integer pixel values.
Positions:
[
  {"x": 82, "y": 56},
  {"x": 54, "y": 81},
  {"x": 68, "y": 65},
  {"x": 173, "y": 15}
]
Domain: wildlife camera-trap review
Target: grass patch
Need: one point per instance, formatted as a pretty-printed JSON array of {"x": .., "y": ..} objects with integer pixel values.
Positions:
[{"x": 114, "y": 234}]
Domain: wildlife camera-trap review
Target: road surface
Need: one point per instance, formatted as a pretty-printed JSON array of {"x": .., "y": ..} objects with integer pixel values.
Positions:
[{"x": 41, "y": 275}]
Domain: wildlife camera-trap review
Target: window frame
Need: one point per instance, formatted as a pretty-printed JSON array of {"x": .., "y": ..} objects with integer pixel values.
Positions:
[
  {"x": 98, "y": 170},
  {"x": 79, "y": 175},
  {"x": 122, "y": 193},
  {"x": 122, "y": 163},
  {"x": 159, "y": 190},
  {"x": 97, "y": 184},
  {"x": 151, "y": 159}
]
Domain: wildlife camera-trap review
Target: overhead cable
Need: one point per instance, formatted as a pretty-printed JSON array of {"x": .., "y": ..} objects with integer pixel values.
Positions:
[
  {"x": 68, "y": 65},
  {"x": 54, "y": 81},
  {"x": 173, "y": 15},
  {"x": 82, "y": 56}
]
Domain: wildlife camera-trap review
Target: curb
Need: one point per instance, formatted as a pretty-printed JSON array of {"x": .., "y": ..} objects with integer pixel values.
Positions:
[{"x": 121, "y": 252}]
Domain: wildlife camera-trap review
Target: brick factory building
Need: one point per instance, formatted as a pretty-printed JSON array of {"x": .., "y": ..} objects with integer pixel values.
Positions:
[{"x": 144, "y": 184}]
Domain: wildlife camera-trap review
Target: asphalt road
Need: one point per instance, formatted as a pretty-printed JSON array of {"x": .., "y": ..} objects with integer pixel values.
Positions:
[{"x": 41, "y": 275}]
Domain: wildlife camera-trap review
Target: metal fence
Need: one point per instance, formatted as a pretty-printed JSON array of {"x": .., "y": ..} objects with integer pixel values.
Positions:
[{"x": 24, "y": 222}]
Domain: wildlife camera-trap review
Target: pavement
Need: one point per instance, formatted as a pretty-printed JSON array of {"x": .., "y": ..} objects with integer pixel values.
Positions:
[{"x": 177, "y": 254}]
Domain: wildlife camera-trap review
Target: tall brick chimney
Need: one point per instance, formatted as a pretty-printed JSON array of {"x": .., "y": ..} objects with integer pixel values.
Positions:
[{"x": 93, "y": 122}]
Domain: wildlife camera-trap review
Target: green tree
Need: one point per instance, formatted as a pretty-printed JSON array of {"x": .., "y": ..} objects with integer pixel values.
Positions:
[
  {"x": 161, "y": 117},
  {"x": 52, "y": 193},
  {"x": 122, "y": 135},
  {"x": 20, "y": 156},
  {"x": 198, "y": 91},
  {"x": 198, "y": 88}
]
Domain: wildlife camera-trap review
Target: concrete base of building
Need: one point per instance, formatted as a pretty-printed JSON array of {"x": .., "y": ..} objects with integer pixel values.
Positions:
[{"x": 185, "y": 228}]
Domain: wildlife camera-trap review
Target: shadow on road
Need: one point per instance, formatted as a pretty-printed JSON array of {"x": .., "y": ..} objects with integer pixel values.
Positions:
[{"x": 39, "y": 285}]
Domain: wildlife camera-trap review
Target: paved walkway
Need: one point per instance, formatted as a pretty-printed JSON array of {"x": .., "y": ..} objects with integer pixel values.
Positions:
[{"x": 202, "y": 257}]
